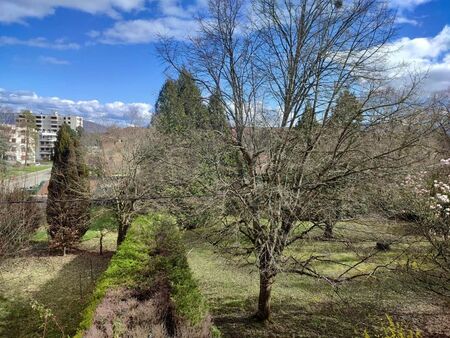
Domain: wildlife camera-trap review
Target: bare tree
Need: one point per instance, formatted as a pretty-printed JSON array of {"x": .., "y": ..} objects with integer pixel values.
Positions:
[
  {"x": 269, "y": 61},
  {"x": 121, "y": 184},
  {"x": 19, "y": 219}
]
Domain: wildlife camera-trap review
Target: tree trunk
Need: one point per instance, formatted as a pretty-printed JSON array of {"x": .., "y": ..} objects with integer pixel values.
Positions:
[
  {"x": 265, "y": 291},
  {"x": 122, "y": 232},
  {"x": 328, "y": 233}
]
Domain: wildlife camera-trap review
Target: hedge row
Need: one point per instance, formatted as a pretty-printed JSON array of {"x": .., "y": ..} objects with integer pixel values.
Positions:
[{"x": 152, "y": 248}]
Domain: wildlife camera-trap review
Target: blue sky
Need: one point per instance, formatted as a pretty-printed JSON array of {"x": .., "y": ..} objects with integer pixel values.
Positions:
[{"x": 97, "y": 58}]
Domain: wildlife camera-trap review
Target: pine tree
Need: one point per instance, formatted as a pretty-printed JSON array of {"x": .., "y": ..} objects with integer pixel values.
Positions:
[
  {"x": 216, "y": 112},
  {"x": 68, "y": 203}
]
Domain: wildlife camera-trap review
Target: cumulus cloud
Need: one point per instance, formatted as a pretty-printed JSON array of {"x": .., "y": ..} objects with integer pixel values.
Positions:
[
  {"x": 425, "y": 55},
  {"x": 53, "y": 61},
  {"x": 105, "y": 113},
  {"x": 40, "y": 42},
  {"x": 19, "y": 10}
]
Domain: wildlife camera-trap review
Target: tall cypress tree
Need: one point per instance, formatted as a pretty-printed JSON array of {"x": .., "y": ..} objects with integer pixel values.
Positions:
[{"x": 68, "y": 190}]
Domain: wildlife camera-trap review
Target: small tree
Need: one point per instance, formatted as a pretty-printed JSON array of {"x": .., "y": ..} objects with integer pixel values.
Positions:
[
  {"x": 121, "y": 182},
  {"x": 68, "y": 191},
  {"x": 28, "y": 121}
]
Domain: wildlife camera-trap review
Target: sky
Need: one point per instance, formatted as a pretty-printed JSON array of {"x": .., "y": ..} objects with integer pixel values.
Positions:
[{"x": 97, "y": 58}]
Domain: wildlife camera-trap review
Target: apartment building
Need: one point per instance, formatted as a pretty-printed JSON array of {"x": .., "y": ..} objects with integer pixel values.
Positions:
[
  {"x": 48, "y": 127},
  {"x": 20, "y": 150}
]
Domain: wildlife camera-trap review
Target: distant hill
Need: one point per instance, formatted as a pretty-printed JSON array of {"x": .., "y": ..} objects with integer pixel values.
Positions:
[{"x": 92, "y": 127}]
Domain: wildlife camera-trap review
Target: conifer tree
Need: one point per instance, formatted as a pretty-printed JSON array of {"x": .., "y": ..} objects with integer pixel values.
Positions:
[
  {"x": 216, "y": 112},
  {"x": 347, "y": 112},
  {"x": 191, "y": 99},
  {"x": 180, "y": 107},
  {"x": 68, "y": 191},
  {"x": 169, "y": 114}
]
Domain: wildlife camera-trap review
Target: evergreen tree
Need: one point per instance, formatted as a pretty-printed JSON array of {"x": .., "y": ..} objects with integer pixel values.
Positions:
[
  {"x": 191, "y": 99},
  {"x": 179, "y": 106},
  {"x": 307, "y": 123},
  {"x": 169, "y": 115},
  {"x": 216, "y": 112},
  {"x": 68, "y": 202},
  {"x": 347, "y": 112}
]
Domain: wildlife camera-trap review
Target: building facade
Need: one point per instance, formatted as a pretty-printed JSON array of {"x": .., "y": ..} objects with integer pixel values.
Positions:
[
  {"x": 20, "y": 149},
  {"x": 48, "y": 127}
]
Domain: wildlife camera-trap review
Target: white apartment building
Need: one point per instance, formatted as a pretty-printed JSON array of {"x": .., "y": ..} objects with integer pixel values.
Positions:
[
  {"x": 48, "y": 127},
  {"x": 19, "y": 150}
]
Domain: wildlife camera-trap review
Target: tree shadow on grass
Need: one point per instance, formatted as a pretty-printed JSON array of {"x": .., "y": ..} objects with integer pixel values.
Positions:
[
  {"x": 65, "y": 296},
  {"x": 362, "y": 306},
  {"x": 327, "y": 319}
]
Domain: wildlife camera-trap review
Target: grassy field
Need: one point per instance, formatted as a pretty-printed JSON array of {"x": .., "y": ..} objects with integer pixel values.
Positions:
[
  {"x": 302, "y": 306},
  {"x": 61, "y": 284},
  {"x": 308, "y": 307},
  {"x": 22, "y": 170}
]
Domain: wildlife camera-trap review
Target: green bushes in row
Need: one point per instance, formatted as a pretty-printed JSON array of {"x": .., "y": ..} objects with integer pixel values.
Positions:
[{"x": 151, "y": 255}]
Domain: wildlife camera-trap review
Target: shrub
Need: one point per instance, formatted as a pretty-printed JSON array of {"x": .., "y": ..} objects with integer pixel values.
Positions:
[
  {"x": 19, "y": 219},
  {"x": 148, "y": 288},
  {"x": 393, "y": 330}
]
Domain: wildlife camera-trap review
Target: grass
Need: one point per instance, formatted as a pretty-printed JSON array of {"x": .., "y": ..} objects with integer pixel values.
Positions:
[
  {"x": 62, "y": 284},
  {"x": 22, "y": 170},
  {"x": 152, "y": 249},
  {"x": 308, "y": 307}
]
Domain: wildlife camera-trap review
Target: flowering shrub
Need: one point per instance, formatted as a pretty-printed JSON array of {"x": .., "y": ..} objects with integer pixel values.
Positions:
[
  {"x": 427, "y": 196},
  {"x": 425, "y": 199}
]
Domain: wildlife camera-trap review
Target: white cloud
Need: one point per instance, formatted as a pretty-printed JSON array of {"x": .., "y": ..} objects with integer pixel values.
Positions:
[
  {"x": 40, "y": 42},
  {"x": 105, "y": 113},
  {"x": 404, "y": 6},
  {"x": 53, "y": 61},
  {"x": 172, "y": 19},
  {"x": 404, "y": 20},
  {"x": 18, "y": 10},
  {"x": 145, "y": 31},
  {"x": 425, "y": 55}
]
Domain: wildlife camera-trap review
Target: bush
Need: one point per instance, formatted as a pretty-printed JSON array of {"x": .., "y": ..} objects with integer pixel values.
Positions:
[
  {"x": 393, "y": 330},
  {"x": 19, "y": 219},
  {"x": 148, "y": 287}
]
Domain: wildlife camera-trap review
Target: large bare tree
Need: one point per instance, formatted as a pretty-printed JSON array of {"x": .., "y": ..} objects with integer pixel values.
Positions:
[{"x": 270, "y": 60}]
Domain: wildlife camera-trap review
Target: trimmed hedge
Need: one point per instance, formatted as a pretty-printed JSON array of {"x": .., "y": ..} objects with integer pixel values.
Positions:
[{"x": 153, "y": 247}]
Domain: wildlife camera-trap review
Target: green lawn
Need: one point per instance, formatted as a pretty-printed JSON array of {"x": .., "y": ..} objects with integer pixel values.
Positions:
[
  {"x": 22, "y": 170},
  {"x": 62, "y": 284},
  {"x": 307, "y": 307}
]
